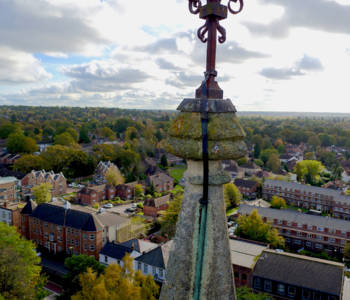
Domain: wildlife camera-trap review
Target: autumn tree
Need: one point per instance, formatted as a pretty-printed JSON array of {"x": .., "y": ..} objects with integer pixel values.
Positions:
[
  {"x": 169, "y": 218},
  {"x": 278, "y": 202},
  {"x": 64, "y": 139},
  {"x": 114, "y": 177},
  {"x": 77, "y": 265},
  {"x": 42, "y": 192},
  {"x": 308, "y": 171},
  {"x": 232, "y": 195},
  {"x": 253, "y": 227},
  {"x": 19, "y": 267},
  {"x": 28, "y": 162},
  {"x": 117, "y": 283}
]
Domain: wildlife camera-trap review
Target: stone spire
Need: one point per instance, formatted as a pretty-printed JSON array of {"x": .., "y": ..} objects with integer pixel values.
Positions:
[{"x": 205, "y": 132}]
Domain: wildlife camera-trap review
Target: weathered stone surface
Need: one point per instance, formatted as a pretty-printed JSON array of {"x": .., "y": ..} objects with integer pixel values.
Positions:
[
  {"x": 218, "y": 150},
  {"x": 217, "y": 276}
]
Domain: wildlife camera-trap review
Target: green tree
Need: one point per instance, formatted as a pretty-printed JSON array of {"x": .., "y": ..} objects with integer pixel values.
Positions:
[
  {"x": 169, "y": 218},
  {"x": 274, "y": 163},
  {"x": 73, "y": 134},
  {"x": 19, "y": 267},
  {"x": 17, "y": 142},
  {"x": 347, "y": 250},
  {"x": 232, "y": 195},
  {"x": 64, "y": 139},
  {"x": 257, "y": 150},
  {"x": 42, "y": 193},
  {"x": 242, "y": 161},
  {"x": 308, "y": 171},
  {"x": 277, "y": 202},
  {"x": 6, "y": 129},
  {"x": 314, "y": 141},
  {"x": 117, "y": 283},
  {"x": 138, "y": 191},
  {"x": 77, "y": 265},
  {"x": 265, "y": 154},
  {"x": 84, "y": 136},
  {"x": 164, "y": 161},
  {"x": 28, "y": 162},
  {"x": 245, "y": 293},
  {"x": 253, "y": 227}
]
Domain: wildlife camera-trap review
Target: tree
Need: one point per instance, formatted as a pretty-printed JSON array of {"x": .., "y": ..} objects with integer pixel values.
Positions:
[
  {"x": 308, "y": 171},
  {"x": 245, "y": 293},
  {"x": 138, "y": 191},
  {"x": 232, "y": 195},
  {"x": 117, "y": 283},
  {"x": 19, "y": 266},
  {"x": 277, "y": 202},
  {"x": 257, "y": 150},
  {"x": 309, "y": 156},
  {"x": 64, "y": 139},
  {"x": 252, "y": 227},
  {"x": 242, "y": 161},
  {"x": 347, "y": 250},
  {"x": 83, "y": 136},
  {"x": 42, "y": 193},
  {"x": 107, "y": 133},
  {"x": 28, "y": 162},
  {"x": 6, "y": 129},
  {"x": 314, "y": 141},
  {"x": 265, "y": 154},
  {"x": 17, "y": 142},
  {"x": 274, "y": 163},
  {"x": 73, "y": 134},
  {"x": 114, "y": 177},
  {"x": 77, "y": 265},
  {"x": 164, "y": 161},
  {"x": 169, "y": 218}
]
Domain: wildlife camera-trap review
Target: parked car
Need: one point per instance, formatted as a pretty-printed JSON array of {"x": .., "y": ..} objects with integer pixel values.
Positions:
[{"x": 108, "y": 205}]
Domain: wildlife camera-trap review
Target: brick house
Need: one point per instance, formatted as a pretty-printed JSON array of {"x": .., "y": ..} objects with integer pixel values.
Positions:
[
  {"x": 310, "y": 197},
  {"x": 101, "y": 170},
  {"x": 124, "y": 191},
  {"x": 162, "y": 182},
  {"x": 293, "y": 276},
  {"x": 10, "y": 213},
  {"x": 91, "y": 195},
  {"x": 34, "y": 178},
  {"x": 8, "y": 189},
  {"x": 248, "y": 188},
  {"x": 243, "y": 257},
  {"x": 151, "y": 207},
  {"x": 8, "y": 158},
  {"x": 72, "y": 230},
  {"x": 314, "y": 233}
]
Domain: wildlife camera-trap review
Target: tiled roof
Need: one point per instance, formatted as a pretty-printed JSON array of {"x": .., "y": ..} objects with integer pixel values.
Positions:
[
  {"x": 71, "y": 217},
  {"x": 116, "y": 251},
  {"x": 157, "y": 257},
  {"x": 245, "y": 183},
  {"x": 297, "y": 217},
  {"x": 298, "y": 270}
]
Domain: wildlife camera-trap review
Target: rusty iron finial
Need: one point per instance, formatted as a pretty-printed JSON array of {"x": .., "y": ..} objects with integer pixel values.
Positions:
[{"x": 212, "y": 12}]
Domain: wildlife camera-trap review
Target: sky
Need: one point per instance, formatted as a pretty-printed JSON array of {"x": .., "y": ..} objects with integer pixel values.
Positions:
[{"x": 279, "y": 55}]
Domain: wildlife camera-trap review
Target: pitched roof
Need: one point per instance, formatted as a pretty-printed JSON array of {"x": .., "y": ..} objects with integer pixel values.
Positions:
[
  {"x": 29, "y": 207},
  {"x": 157, "y": 202},
  {"x": 244, "y": 253},
  {"x": 157, "y": 257},
  {"x": 72, "y": 218},
  {"x": 116, "y": 251},
  {"x": 312, "y": 273},
  {"x": 139, "y": 245},
  {"x": 297, "y": 217},
  {"x": 245, "y": 183}
]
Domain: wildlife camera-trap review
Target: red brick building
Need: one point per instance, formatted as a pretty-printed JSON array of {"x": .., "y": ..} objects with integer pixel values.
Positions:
[
  {"x": 151, "y": 207},
  {"x": 300, "y": 230},
  {"x": 8, "y": 190},
  {"x": 10, "y": 213},
  {"x": 162, "y": 182},
  {"x": 248, "y": 188},
  {"x": 34, "y": 178},
  {"x": 124, "y": 191},
  {"x": 92, "y": 194}
]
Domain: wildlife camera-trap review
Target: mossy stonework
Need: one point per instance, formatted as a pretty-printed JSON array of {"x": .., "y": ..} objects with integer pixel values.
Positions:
[{"x": 225, "y": 136}]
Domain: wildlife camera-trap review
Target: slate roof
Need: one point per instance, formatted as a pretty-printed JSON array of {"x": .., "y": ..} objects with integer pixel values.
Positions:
[
  {"x": 308, "y": 188},
  {"x": 297, "y": 217},
  {"x": 157, "y": 257},
  {"x": 245, "y": 183},
  {"x": 139, "y": 245},
  {"x": 71, "y": 217},
  {"x": 29, "y": 207},
  {"x": 298, "y": 270},
  {"x": 116, "y": 251}
]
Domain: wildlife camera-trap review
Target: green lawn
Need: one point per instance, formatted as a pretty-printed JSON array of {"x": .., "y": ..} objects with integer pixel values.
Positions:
[
  {"x": 177, "y": 172},
  {"x": 231, "y": 210}
]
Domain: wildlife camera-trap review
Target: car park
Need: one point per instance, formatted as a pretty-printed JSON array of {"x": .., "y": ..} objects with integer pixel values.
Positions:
[{"x": 108, "y": 205}]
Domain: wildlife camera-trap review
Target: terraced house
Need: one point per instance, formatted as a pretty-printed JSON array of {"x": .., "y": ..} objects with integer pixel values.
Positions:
[
  {"x": 315, "y": 233},
  {"x": 310, "y": 197}
]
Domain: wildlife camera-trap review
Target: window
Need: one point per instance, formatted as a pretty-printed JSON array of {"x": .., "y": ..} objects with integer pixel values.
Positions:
[
  {"x": 59, "y": 248},
  {"x": 76, "y": 243},
  {"x": 59, "y": 228},
  {"x": 268, "y": 286},
  {"x": 318, "y": 246},
  {"x": 85, "y": 247},
  {"x": 153, "y": 270},
  {"x": 92, "y": 247},
  {"x": 145, "y": 268},
  {"x": 84, "y": 236},
  {"x": 59, "y": 238},
  {"x": 46, "y": 235},
  {"x": 280, "y": 289},
  {"x": 291, "y": 291},
  {"x": 306, "y": 295},
  {"x": 106, "y": 259},
  {"x": 92, "y": 237},
  {"x": 138, "y": 265},
  {"x": 161, "y": 274}
]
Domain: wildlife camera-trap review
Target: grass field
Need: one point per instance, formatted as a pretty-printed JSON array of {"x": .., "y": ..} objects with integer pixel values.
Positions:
[{"x": 177, "y": 172}]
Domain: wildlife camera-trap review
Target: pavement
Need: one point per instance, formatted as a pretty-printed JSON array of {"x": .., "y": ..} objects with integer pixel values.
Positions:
[
  {"x": 120, "y": 210},
  {"x": 346, "y": 289}
]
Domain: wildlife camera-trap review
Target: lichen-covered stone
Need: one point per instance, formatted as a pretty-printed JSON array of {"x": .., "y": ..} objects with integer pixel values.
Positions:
[{"x": 218, "y": 150}]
